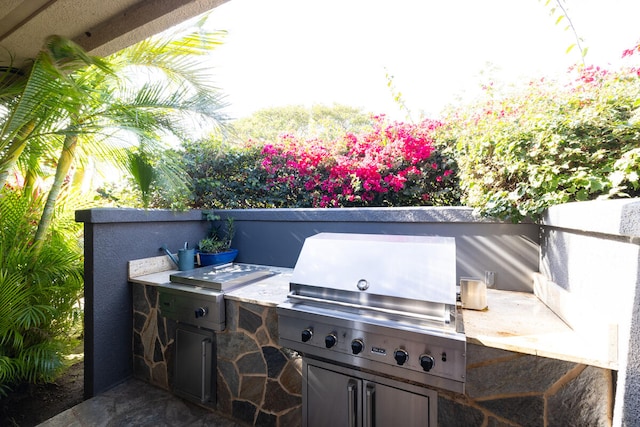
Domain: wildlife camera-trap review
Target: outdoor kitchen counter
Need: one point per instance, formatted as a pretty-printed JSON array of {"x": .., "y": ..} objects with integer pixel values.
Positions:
[
  {"x": 514, "y": 321},
  {"x": 270, "y": 291},
  {"x": 520, "y": 322}
]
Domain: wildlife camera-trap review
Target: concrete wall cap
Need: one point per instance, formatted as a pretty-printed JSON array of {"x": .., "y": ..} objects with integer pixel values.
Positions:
[
  {"x": 619, "y": 217},
  {"x": 123, "y": 215},
  {"x": 422, "y": 214}
]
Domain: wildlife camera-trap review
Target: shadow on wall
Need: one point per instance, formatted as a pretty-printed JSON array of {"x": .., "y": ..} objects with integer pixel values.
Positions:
[
  {"x": 511, "y": 251},
  {"x": 512, "y": 258},
  {"x": 631, "y": 377}
]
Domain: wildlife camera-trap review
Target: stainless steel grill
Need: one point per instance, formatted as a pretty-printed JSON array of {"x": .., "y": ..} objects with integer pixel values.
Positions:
[{"x": 378, "y": 304}]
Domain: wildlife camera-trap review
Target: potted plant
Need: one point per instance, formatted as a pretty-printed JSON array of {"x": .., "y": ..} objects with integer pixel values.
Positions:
[{"x": 216, "y": 247}]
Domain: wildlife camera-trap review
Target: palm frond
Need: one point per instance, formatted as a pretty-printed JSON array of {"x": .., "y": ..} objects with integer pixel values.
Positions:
[
  {"x": 143, "y": 174},
  {"x": 48, "y": 97},
  {"x": 14, "y": 297},
  {"x": 37, "y": 291},
  {"x": 41, "y": 361}
]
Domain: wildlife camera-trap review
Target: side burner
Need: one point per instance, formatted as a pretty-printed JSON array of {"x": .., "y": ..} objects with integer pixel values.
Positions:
[{"x": 221, "y": 277}]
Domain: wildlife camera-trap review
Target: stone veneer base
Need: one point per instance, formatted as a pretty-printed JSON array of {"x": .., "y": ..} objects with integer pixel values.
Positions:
[{"x": 260, "y": 383}]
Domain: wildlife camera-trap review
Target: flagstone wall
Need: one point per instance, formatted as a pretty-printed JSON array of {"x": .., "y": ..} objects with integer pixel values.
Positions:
[{"x": 260, "y": 383}]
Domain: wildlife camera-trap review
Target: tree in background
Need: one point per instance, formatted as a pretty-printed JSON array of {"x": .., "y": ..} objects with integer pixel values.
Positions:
[{"x": 320, "y": 121}]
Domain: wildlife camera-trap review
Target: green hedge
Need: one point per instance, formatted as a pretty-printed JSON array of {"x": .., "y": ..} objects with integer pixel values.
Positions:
[
  {"x": 509, "y": 156},
  {"x": 395, "y": 164},
  {"x": 549, "y": 144}
]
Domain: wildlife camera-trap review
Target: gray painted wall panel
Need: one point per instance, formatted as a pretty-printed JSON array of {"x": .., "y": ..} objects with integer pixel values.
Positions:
[
  {"x": 591, "y": 250},
  {"x": 510, "y": 250}
]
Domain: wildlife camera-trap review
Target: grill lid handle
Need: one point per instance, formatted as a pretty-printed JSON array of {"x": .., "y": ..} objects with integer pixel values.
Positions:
[{"x": 293, "y": 296}]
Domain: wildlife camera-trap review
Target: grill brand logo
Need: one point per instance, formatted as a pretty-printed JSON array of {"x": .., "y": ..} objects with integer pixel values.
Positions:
[{"x": 379, "y": 351}]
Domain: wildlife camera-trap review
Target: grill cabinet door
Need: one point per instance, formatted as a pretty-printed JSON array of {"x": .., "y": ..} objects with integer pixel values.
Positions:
[
  {"x": 194, "y": 366},
  {"x": 390, "y": 406},
  {"x": 333, "y": 399},
  {"x": 343, "y": 399}
]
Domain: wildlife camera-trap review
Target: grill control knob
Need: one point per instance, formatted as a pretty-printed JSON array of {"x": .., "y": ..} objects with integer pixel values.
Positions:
[
  {"x": 357, "y": 346},
  {"x": 201, "y": 311},
  {"x": 306, "y": 335},
  {"x": 401, "y": 356},
  {"x": 427, "y": 362},
  {"x": 330, "y": 340}
]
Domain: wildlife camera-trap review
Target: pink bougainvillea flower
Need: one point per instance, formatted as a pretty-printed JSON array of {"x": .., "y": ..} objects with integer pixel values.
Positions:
[{"x": 355, "y": 168}]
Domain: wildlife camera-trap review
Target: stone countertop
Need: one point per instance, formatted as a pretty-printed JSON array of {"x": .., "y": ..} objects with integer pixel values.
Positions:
[
  {"x": 270, "y": 291},
  {"x": 514, "y": 321},
  {"x": 520, "y": 322}
]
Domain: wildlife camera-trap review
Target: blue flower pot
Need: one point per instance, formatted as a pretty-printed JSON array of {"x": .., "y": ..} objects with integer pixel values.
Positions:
[{"x": 219, "y": 258}]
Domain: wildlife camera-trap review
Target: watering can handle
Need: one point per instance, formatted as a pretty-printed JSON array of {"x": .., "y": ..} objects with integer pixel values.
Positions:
[{"x": 168, "y": 252}]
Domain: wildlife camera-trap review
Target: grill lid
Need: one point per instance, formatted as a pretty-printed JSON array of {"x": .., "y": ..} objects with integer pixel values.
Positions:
[{"x": 409, "y": 267}]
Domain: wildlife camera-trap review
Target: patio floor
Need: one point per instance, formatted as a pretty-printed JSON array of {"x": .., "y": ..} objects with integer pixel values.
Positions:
[{"x": 136, "y": 403}]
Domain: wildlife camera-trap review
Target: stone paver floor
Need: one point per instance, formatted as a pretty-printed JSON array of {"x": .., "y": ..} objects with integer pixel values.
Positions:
[{"x": 136, "y": 403}]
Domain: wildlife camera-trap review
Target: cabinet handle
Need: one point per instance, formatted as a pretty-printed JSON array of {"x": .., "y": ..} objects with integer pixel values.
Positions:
[
  {"x": 203, "y": 393},
  {"x": 352, "y": 391},
  {"x": 369, "y": 414}
]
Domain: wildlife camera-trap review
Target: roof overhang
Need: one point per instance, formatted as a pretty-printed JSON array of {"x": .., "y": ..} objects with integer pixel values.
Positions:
[{"x": 102, "y": 27}]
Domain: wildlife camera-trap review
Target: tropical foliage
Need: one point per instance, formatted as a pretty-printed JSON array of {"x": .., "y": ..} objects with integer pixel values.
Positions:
[
  {"x": 70, "y": 105},
  {"x": 549, "y": 144},
  {"x": 39, "y": 291},
  {"x": 69, "y": 108}
]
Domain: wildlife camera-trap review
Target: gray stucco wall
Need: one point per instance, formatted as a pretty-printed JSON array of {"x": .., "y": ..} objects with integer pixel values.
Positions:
[
  {"x": 591, "y": 252},
  {"x": 271, "y": 237},
  {"x": 275, "y": 237},
  {"x": 112, "y": 237}
]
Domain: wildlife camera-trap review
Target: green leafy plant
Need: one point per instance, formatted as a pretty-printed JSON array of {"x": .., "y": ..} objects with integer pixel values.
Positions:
[
  {"x": 225, "y": 176},
  {"x": 560, "y": 12},
  {"x": 218, "y": 239},
  {"x": 391, "y": 164},
  {"x": 70, "y": 106},
  {"x": 549, "y": 144},
  {"x": 39, "y": 291}
]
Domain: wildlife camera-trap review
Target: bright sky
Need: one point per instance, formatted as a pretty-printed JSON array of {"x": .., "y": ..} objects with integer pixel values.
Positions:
[{"x": 284, "y": 52}]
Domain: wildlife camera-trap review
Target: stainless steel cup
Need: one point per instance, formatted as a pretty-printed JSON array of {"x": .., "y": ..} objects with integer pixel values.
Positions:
[{"x": 473, "y": 293}]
